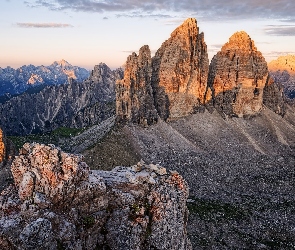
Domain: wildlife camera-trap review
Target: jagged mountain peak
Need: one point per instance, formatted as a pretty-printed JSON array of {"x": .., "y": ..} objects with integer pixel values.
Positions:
[
  {"x": 241, "y": 41},
  {"x": 63, "y": 63},
  {"x": 187, "y": 28}
]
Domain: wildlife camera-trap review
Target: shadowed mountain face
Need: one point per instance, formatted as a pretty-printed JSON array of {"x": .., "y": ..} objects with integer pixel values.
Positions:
[
  {"x": 14, "y": 82},
  {"x": 75, "y": 105}
]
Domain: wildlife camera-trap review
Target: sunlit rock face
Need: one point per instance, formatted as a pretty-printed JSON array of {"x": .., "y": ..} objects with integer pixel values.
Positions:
[
  {"x": 237, "y": 76},
  {"x": 56, "y": 202},
  {"x": 68, "y": 105},
  {"x": 2, "y": 146},
  {"x": 134, "y": 94},
  {"x": 180, "y": 70}
]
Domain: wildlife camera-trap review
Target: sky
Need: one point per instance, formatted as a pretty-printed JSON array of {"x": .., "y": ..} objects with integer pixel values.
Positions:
[{"x": 87, "y": 32}]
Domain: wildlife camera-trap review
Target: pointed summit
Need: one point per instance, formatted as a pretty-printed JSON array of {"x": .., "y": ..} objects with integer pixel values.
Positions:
[
  {"x": 240, "y": 41},
  {"x": 62, "y": 63}
]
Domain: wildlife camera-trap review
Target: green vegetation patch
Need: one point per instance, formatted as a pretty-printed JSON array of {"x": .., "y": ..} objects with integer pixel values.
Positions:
[
  {"x": 213, "y": 210},
  {"x": 53, "y": 137}
]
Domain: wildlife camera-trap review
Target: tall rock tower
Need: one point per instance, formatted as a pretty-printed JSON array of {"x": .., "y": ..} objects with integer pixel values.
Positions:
[
  {"x": 180, "y": 71},
  {"x": 237, "y": 76},
  {"x": 134, "y": 95}
]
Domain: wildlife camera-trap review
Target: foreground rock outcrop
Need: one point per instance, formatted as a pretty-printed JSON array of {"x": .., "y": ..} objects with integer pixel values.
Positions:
[
  {"x": 56, "y": 202},
  {"x": 237, "y": 76}
]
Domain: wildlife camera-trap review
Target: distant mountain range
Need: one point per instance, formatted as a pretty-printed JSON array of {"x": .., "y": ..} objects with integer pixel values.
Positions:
[
  {"x": 30, "y": 77},
  {"x": 283, "y": 71},
  {"x": 77, "y": 104}
]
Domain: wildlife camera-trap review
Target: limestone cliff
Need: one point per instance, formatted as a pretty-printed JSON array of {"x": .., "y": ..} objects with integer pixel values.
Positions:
[
  {"x": 237, "y": 76},
  {"x": 56, "y": 202},
  {"x": 173, "y": 82},
  {"x": 134, "y": 95},
  {"x": 180, "y": 71}
]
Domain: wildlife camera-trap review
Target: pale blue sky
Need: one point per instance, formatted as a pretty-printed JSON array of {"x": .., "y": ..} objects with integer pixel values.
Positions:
[{"x": 88, "y": 32}]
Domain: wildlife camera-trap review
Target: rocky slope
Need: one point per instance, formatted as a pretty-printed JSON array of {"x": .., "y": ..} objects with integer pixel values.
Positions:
[
  {"x": 283, "y": 72},
  {"x": 17, "y": 81},
  {"x": 70, "y": 105},
  {"x": 240, "y": 173},
  {"x": 237, "y": 76},
  {"x": 58, "y": 203}
]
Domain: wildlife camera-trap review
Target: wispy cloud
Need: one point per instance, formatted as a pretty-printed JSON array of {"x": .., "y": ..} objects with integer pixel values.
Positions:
[
  {"x": 209, "y": 9},
  {"x": 280, "y": 30},
  {"x": 44, "y": 25},
  {"x": 275, "y": 54}
]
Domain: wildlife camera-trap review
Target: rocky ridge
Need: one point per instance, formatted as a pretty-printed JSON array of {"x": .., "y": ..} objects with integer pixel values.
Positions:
[
  {"x": 17, "y": 81},
  {"x": 75, "y": 105},
  {"x": 57, "y": 202}
]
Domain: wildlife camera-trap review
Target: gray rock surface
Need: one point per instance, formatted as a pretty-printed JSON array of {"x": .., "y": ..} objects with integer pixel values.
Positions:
[{"x": 56, "y": 202}]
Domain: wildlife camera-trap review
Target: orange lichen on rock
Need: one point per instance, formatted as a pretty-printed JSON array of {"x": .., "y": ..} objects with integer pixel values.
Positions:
[{"x": 2, "y": 146}]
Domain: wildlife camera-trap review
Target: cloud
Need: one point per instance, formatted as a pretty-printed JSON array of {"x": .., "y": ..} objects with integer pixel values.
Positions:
[
  {"x": 280, "y": 30},
  {"x": 44, "y": 25},
  {"x": 143, "y": 15},
  {"x": 105, "y": 18},
  {"x": 209, "y": 9}
]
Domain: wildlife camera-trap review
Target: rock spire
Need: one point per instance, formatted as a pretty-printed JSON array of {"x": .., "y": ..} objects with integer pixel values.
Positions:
[
  {"x": 134, "y": 94},
  {"x": 171, "y": 84},
  {"x": 180, "y": 71},
  {"x": 237, "y": 76}
]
